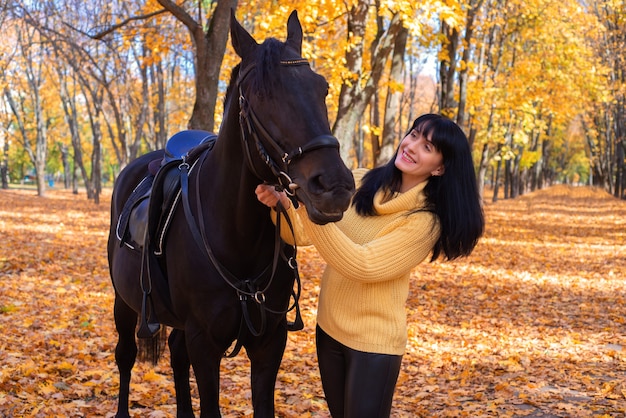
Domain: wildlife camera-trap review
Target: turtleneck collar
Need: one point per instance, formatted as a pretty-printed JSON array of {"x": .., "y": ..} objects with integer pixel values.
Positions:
[{"x": 400, "y": 202}]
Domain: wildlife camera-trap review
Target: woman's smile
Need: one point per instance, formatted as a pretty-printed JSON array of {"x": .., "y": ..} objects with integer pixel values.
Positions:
[{"x": 406, "y": 157}]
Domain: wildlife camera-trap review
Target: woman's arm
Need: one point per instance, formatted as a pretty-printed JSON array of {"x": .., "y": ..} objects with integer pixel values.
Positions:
[
  {"x": 387, "y": 257},
  {"x": 269, "y": 196}
]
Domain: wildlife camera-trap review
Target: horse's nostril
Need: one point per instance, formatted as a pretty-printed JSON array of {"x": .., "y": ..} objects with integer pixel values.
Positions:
[
  {"x": 316, "y": 185},
  {"x": 321, "y": 184}
]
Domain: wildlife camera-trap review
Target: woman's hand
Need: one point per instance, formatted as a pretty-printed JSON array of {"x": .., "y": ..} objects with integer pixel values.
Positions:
[{"x": 269, "y": 196}]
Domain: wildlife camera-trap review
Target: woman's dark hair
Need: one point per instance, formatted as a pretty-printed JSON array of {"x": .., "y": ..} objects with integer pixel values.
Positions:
[{"x": 453, "y": 196}]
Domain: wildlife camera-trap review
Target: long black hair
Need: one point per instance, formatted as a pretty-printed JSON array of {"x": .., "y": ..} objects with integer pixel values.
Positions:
[{"x": 453, "y": 196}]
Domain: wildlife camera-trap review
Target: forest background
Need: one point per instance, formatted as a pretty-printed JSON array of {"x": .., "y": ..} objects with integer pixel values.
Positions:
[{"x": 537, "y": 85}]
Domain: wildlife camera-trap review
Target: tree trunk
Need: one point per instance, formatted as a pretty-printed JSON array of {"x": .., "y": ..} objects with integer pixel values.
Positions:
[
  {"x": 392, "y": 128},
  {"x": 144, "y": 101},
  {"x": 619, "y": 170},
  {"x": 94, "y": 185},
  {"x": 210, "y": 47},
  {"x": 4, "y": 162},
  {"x": 474, "y": 7},
  {"x": 71, "y": 118},
  {"x": 159, "y": 115},
  {"x": 507, "y": 179},
  {"x": 354, "y": 94},
  {"x": 516, "y": 181},
  {"x": 496, "y": 182},
  {"x": 67, "y": 167},
  {"x": 447, "y": 70},
  {"x": 38, "y": 154},
  {"x": 96, "y": 164},
  {"x": 482, "y": 169}
]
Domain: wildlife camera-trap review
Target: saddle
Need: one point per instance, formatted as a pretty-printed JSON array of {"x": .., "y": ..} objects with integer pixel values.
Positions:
[
  {"x": 146, "y": 216},
  {"x": 147, "y": 212}
]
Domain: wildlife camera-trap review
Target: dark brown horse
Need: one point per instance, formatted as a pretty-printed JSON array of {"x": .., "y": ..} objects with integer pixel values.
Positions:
[{"x": 218, "y": 274}]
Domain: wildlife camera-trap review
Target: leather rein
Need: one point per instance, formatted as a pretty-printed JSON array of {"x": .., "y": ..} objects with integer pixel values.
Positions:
[{"x": 252, "y": 128}]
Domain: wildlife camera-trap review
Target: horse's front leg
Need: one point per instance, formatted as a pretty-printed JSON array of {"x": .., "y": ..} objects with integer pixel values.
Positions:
[
  {"x": 179, "y": 360},
  {"x": 205, "y": 360},
  {"x": 125, "y": 351},
  {"x": 265, "y": 355}
]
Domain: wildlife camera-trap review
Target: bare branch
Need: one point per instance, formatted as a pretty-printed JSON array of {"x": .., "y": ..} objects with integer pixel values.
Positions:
[
  {"x": 180, "y": 14},
  {"x": 113, "y": 28}
]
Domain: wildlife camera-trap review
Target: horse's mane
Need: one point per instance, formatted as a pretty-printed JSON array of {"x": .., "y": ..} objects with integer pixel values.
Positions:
[{"x": 265, "y": 77}]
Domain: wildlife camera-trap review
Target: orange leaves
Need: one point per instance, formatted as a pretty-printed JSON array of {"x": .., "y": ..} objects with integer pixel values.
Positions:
[
  {"x": 535, "y": 309},
  {"x": 533, "y": 323},
  {"x": 55, "y": 327}
]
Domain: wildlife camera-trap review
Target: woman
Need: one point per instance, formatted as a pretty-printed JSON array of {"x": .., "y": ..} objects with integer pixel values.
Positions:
[{"x": 423, "y": 201}]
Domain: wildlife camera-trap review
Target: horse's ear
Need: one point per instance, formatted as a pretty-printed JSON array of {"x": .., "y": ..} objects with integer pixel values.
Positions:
[
  {"x": 294, "y": 32},
  {"x": 242, "y": 41}
]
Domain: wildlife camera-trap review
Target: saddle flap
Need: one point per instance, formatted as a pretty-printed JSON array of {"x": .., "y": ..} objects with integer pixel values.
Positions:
[
  {"x": 130, "y": 234},
  {"x": 138, "y": 221}
]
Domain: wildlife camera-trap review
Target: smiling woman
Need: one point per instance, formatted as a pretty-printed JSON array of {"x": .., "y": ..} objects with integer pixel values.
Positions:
[{"x": 423, "y": 201}]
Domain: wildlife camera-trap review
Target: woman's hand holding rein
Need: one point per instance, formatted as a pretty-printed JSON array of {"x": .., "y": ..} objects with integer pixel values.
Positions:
[{"x": 269, "y": 196}]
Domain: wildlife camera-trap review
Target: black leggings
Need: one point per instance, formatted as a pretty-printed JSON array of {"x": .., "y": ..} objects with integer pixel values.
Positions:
[{"x": 356, "y": 384}]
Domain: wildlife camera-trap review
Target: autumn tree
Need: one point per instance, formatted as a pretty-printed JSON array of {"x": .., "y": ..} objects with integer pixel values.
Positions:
[
  {"x": 126, "y": 81},
  {"x": 540, "y": 102},
  {"x": 605, "y": 124},
  {"x": 384, "y": 147},
  {"x": 361, "y": 79},
  {"x": 525, "y": 86},
  {"x": 4, "y": 149},
  {"x": 6, "y": 54},
  {"x": 208, "y": 28},
  {"x": 25, "y": 94},
  {"x": 90, "y": 66}
]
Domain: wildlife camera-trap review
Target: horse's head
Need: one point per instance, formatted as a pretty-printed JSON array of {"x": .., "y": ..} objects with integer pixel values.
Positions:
[{"x": 284, "y": 123}]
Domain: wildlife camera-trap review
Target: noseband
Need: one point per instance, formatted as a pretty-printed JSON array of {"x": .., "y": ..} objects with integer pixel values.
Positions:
[{"x": 252, "y": 128}]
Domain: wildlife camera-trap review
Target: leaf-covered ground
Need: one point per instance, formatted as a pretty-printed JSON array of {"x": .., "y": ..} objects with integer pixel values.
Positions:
[{"x": 533, "y": 324}]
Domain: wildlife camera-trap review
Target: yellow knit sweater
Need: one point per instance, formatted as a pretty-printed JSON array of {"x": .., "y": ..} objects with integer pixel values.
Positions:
[{"x": 369, "y": 260}]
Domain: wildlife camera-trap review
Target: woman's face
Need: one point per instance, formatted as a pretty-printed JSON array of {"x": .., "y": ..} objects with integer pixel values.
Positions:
[{"x": 417, "y": 159}]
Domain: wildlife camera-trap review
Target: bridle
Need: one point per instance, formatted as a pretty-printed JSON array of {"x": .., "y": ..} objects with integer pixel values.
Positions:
[{"x": 253, "y": 129}]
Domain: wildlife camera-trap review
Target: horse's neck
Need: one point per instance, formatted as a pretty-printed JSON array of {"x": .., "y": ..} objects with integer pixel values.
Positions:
[
  {"x": 231, "y": 190},
  {"x": 238, "y": 228}
]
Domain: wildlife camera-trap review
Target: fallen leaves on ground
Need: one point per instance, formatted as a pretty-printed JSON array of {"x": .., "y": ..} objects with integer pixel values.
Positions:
[{"x": 533, "y": 324}]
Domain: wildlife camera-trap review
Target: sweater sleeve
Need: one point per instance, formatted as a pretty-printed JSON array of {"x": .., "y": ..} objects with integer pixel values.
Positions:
[
  {"x": 298, "y": 236},
  {"x": 384, "y": 258}
]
